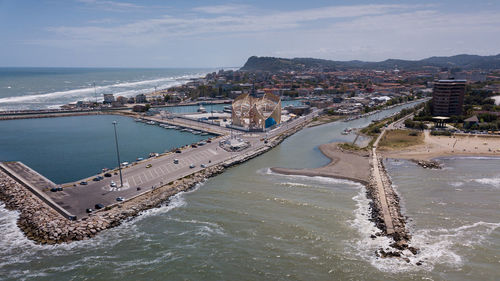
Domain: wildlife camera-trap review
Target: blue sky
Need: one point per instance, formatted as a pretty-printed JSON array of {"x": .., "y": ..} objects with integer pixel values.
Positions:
[{"x": 115, "y": 33}]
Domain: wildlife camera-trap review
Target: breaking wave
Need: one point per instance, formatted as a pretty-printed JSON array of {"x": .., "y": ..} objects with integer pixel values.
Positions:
[
  {"x": 438, "y": 246},
  {"x": 126, "y": 89},
  {"x": 489, "y": 181}
]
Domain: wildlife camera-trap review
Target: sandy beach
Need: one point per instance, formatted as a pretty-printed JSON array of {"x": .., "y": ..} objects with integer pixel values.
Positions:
[
  {"x": 350, "y": 165},
  {"x": 440, "y": 146}
]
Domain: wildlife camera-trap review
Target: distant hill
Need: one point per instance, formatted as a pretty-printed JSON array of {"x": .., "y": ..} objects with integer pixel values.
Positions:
[{"x": 459, "y": 61}]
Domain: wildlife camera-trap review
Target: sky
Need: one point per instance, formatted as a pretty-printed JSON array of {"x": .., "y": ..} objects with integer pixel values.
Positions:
[{"x": 172, "y": 33}]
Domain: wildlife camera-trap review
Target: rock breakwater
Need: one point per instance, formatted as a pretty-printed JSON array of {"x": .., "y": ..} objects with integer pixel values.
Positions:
[{"x": 401, "y": 247}]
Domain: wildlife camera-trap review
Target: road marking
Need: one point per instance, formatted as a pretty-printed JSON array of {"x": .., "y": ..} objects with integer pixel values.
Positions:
[
  {"x": 143, "y": 178},
  {"x": 164, "y": 169},
  {"x": 154, "y": 173},
  {"x": 213, "y": 152}
]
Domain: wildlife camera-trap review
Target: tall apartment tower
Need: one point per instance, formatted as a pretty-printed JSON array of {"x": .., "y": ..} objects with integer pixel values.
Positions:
[{"x": 448, "y": 97}]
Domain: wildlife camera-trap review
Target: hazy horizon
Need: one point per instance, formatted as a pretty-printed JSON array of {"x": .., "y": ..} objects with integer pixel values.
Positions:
[{"x": 201, "y": 34}]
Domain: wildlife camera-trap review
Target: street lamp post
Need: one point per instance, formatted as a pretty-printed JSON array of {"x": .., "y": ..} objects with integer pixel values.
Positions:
[{"x": 118, "y": 155}]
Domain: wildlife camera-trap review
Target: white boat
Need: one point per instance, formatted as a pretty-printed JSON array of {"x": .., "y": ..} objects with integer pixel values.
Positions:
[
  {"x": 196, "y": 132},
  {"x": 151, "y": 123},
  {"x": 202, "y": 109}
]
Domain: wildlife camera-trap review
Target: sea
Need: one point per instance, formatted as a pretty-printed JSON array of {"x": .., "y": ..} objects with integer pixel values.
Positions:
[
  {"x": 251, "y": 224},
  {"x": 23, "y": 88}
]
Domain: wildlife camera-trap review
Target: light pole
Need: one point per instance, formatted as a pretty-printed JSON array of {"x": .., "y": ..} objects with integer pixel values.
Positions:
[{"x": 118, "y": 155}]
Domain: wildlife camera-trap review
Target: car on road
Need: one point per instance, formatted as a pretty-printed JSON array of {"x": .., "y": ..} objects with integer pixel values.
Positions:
[
  {"x": 176, "y": 161},
  {"x": 112, "y": 184},
  {"x": 149, "y": 165},
  {"x": 98, "y": 206},
  {"x": 98, "y": 178},
  {"x": 120, "y": 199},
  {"x": 192, "y": 166},
  {"x": 89, "y": 210},
  {"x": 83, "y": 183},
  {"x": 108, "y": 175}
]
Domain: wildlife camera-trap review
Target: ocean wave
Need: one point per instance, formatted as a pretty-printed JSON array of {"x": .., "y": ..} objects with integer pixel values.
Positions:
[
  {"x": 133, "y": 88},
  {"x": 436, "y": 246},
  {"x": 489, "y": 181}
]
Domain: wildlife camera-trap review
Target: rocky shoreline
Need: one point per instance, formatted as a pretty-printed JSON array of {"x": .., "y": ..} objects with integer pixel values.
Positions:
[{"x": 43, "y": 225}]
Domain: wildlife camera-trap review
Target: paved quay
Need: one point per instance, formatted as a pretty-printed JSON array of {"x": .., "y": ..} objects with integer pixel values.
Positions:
[{"x": 146, "y": 175}]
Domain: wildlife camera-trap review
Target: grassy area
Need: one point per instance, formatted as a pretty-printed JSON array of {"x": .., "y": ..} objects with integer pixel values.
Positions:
[
  {"x": 401, "y": 139},
  {"x": 350, "y": 146},
  {"x": 324, "y": 119}
]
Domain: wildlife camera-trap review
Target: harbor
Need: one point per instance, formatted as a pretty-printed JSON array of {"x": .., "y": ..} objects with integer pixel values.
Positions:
[{"x": 93, "y": 198}]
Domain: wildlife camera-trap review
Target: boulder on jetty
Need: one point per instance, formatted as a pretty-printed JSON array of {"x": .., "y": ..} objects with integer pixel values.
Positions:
[{"x": 427, "y": 164}]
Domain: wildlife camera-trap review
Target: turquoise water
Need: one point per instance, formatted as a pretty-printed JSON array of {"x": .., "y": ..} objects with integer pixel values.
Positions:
[
  {"x": 250, "y": 224},
  {"x": 70, "y": 148},
  {"x": 50, "y": 87}
]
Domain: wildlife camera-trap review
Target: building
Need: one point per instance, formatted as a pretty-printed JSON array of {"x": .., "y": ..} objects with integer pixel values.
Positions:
[
  {"x": 108, "y": 98},
  {"x": 140, "y": 98},
  {"x": 256, "y": 113},
  {"x": 448, "y": 97}
]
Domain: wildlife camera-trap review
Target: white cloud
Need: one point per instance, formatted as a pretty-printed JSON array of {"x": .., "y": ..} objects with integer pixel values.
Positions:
[
  {"x": 368, "y": 32},
  {"x": 223, "y": 9},
  {"x": 110, "y": 5}
]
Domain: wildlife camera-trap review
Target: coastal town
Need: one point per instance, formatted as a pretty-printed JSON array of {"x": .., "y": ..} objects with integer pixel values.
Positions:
[{"x": 441, "y": 107}]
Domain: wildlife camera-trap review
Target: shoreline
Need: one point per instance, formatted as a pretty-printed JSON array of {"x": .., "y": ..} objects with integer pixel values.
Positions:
[
  {"x": 43, "y": 225},
  {"x": 344, "y": 164},
  {"x": 457, "y": 145}
]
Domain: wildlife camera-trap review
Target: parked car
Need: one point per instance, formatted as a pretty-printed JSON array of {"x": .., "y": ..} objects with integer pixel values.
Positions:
[
  {"x": 83, "y": 183},
  {"x": 119, "y": 199},
  {"x": 98, "y": 206},
  {"x": 192, "y": 166},
  {"x": 89, "y": 210},
  {"x": 178, "y": 151},
  {"x": 176, "y": 161},
  {"x": 54, "y": 189},
  {"x": 96, "y": 179},
  {"x": 108, "y": 175},
  {"x": 194, "y": 146},
  {"x": 208, "y": 141},
  {"x": 203, "y": 165},
  {"x": 149, "y": 165},
  {"x": 59, "y": 188},
  {"x": 112, "y": 184}
]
